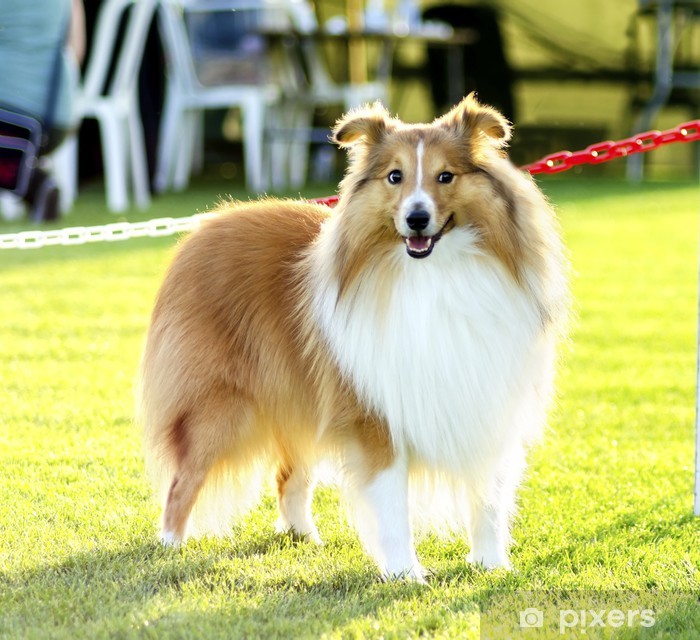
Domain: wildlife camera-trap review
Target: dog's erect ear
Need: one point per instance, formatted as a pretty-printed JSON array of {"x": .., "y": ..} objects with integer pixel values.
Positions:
[
  {"x": 370, "y": 123},
  {"x": 470, "y": 118}
]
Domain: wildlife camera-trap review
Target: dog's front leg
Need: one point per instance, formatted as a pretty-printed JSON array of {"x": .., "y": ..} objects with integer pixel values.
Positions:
[{"x": 383, "y": 521}]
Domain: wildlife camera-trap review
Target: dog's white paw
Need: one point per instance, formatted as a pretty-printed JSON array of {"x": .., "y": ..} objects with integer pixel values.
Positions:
[
  {"x": 170, "y": 540},
  {"x": 415, "y": 573},
  {"x": 490, "y": 560},
  {"x": 309, "y": 533}
]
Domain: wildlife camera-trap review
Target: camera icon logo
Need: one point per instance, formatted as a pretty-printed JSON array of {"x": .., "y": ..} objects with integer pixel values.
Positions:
[{"x": 531, "y": 618}]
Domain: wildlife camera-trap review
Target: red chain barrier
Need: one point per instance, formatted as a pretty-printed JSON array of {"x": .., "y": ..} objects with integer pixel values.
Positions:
[
  {"x": 599, "y": 152},
  {"x": 329, "y": 201},
  {"x": 606, "y": 151},
  {"x": 554, "y": 163}
]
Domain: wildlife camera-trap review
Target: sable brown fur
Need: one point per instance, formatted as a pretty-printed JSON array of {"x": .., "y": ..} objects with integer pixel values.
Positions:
[{"x": 215, "y": 392}]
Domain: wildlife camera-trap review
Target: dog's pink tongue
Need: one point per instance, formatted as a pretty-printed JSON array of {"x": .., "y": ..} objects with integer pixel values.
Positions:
[{"x": 418, "y": 243}]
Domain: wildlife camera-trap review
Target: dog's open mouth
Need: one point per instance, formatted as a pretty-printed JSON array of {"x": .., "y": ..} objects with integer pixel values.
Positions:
[{"x": 422, "y": 246}]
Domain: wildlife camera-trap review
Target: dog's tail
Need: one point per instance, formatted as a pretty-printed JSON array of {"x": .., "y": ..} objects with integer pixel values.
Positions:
[{"x": 170, "y": 434}]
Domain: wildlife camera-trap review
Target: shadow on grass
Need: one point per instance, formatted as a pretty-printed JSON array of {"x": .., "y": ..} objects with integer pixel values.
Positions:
[
  {"x": 213, "y": 588},
  {"x": 266, "y": 585}
]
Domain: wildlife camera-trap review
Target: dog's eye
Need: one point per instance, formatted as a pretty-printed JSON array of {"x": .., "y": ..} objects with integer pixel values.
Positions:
[
  {"x": 394, "y": 177},
  {"x": 446, "y": 177}
]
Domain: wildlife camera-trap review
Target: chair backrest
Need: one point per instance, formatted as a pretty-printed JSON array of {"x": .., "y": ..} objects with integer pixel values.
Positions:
[
  {"x": 303, "y": 18},
  {"x": 114, "y": 61},
  {"x": 173, "y": 33},
  {"x": 214, "y": 42}
]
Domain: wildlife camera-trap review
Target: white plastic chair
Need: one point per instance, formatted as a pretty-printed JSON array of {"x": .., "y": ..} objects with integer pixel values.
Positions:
[
  {"x": 187, "y": 96},
  {"x": 322, "y": 90},
  {"x": 112, "y": 100}
]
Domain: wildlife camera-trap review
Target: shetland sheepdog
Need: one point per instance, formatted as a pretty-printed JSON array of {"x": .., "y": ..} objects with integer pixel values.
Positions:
[{"x": 408, "y": 334}]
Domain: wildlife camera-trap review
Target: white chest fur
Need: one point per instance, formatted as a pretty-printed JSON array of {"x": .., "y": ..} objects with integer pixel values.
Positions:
[{"x": 452, "y": 357}]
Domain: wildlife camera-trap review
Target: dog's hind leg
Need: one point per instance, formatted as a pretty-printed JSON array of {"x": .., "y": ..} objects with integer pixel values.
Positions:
[
  {"x": 490, "y": 512},
  {"x": 184, "y": 489},
  {"x": 198, "y": 442},
  {"x": 295, "y": 487},
  {"x": 193, "y": 459},
  {"x": 489, "y": 535}
]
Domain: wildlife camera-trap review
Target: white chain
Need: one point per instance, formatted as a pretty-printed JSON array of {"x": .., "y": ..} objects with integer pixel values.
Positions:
[{"x": 103, "y": 233}]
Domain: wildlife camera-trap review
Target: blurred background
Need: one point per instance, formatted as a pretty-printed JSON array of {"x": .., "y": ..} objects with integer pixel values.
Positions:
[
  {"x": 567, "y": 74},
  {"x": 248, "y": 89}
]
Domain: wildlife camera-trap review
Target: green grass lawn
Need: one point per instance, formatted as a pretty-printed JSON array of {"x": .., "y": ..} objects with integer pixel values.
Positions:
[{"x": 606, "y": 509}]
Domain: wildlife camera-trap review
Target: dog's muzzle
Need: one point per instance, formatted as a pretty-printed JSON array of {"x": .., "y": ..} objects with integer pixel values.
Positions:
[{"x": 419, "y": 246}]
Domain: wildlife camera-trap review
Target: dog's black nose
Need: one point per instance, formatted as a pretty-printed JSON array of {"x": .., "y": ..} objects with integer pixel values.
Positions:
[{"x": 418, "y": 219}]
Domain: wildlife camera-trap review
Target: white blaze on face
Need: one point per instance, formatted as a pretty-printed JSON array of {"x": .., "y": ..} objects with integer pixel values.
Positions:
[
  {"x": 419, "y": 168},
  {"x": 418, "y": 199}
]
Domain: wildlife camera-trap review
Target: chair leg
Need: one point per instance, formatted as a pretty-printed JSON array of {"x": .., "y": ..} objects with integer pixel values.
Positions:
[
  {"x": 253, "y": 116},
  {"x": 198, "y": 143},
  {"x": 300, "y": 146},
  {"x": 114, "y": 133},
  {"x": 167, "y": 145},
  {"x": 137, "y": 160},
  {"x": 185, "y": 149},
  {"x": 277, "y": 147}
]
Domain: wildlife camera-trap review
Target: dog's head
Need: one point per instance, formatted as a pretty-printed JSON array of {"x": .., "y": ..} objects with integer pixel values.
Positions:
[{"x": 422, "y": 180}]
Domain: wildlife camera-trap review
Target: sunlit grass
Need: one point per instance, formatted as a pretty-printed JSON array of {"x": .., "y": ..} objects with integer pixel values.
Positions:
[{"x": 607, "y": 503}]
